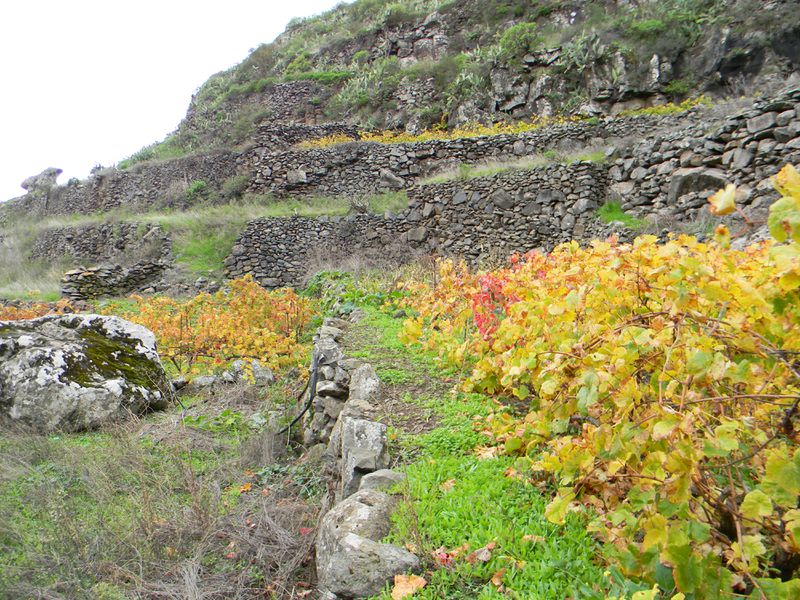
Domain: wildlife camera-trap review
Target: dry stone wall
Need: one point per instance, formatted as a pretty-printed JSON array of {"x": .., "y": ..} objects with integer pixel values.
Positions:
[
  {"x": 291, "y": 102},
  {"x": 672, "y": 175},
  {"x": 348, "y": 169},
  {"x": 498, "y": 215},
  {"x": 281, "y": 251},
  {"x": 669, "y": 174},
  {"x": 508, "y": 212},
  {"x": 109, "y": 280},
  {"x": 282, "y": 136},
  {"x": 351, "y": 559},
  {"x": 145, "y": 186},
  {"x": 105, "y": 242},
  {"x": 360, "y": 169},
  {"x": 129, "y": 257}
]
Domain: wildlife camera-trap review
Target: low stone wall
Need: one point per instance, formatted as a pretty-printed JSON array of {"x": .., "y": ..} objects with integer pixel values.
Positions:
[
  {"x": 123, "y": 243},
  {"x": 351, "y": 560},
  {"x": 146, "y": 186},
  {"x": 347, "y": 169},
  {"x": 282, "y": 136},
  {"x": 368, "y": 168},
  {"x": 281, "y": 251},
  {"x": 109, "y": 280},
  {"x": 292, "y": 102},
  {"x": 508, "y": 212},
  {"x": 488, "y": 216}
]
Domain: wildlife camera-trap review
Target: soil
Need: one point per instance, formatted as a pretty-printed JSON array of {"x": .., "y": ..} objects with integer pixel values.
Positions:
[{"x": 413, "y": 379}]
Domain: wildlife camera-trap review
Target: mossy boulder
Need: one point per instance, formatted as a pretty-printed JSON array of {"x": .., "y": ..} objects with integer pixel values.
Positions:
[{"x": 78, "y": 372}]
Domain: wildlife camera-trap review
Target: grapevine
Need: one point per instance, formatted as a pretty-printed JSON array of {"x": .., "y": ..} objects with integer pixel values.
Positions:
[
  {"x": 208, "y": 331},
  {"x": 663, "y": 386}
]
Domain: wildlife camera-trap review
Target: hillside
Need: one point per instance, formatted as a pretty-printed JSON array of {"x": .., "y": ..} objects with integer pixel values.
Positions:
[
  {"x": 426, "y": 299},
  {"x": 420, "y": 63}
]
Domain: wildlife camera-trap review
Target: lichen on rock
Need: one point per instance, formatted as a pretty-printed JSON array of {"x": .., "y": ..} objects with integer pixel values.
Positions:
[{"x": 77, "y": 372}]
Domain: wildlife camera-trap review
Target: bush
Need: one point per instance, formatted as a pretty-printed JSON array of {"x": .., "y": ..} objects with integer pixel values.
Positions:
[
  {"x": 252, "y": 87},
  {"x": 399, "y": 14},
  {"x": 670, "y": 108},
  {"x": 519, "y": 40},
  {"x": 647, "y": 27},
  {"x": 376, "y": 86},
  {"x": 323, "y": 77},
  {"x": 299, "y": 64},
  {"x": 361, "y": 57},
  {"x": 234, "y": 186},
  {"x": 197, "y": 190},
  {"x": 208, "y": 331},
  {"x": 679, "y": 87},
  {"x": 663, "y": 391},
  {"x": 168, "y": 149},
  {"x": 612, "y": 212}
]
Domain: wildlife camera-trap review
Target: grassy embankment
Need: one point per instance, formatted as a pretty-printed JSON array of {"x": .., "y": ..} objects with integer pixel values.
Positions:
[{"x": 202, "y": 237}]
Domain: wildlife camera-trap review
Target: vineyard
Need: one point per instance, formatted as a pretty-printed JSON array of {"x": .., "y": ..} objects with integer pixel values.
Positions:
[
  {"x": 209, "y": 331},
  {"x": 653, "y": 387}
]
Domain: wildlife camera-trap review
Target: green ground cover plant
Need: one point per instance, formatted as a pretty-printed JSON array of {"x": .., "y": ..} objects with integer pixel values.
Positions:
[
  {"x": 611, "y": 212},
  {"x": 459, "y": 500}
]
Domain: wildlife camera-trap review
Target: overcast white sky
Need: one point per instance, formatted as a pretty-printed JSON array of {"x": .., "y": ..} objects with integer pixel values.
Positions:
[{"x": 92, "y": 81}]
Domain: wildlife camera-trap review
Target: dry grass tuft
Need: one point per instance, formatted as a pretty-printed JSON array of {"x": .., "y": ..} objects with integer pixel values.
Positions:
[{"x": 157, "y": 509}]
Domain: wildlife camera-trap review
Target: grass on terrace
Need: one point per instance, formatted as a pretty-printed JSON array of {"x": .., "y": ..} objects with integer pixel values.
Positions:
[
  {"x": 472, "y": 130},
  {"x": 154, "y": 509},
  {"x": 526, "y": 163},
  {"x": 457, "y": 501},
  {"x": 202, "y": 236}
]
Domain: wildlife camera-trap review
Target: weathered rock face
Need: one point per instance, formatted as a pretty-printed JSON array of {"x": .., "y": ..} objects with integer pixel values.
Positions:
[
  {"x": 43, "y": 181},
  {"x": 77, "y": 372}
]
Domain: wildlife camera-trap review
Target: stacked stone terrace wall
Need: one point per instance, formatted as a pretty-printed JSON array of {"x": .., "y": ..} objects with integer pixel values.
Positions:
[
  {"x": 292, "y": 102},
  {"x": 672, "y": 174},
  {"x": 282, "y": 251},
  {"x": 367, "y": 168},
  {"x": 344, "y": 170},
  {"x": 145, "y": 186},
  {"x": 105, "y": 242},
  {"x": 490, "y": 216},
  {"x": 128, "y": 257},
  {"x": 109, "y": 280},
  {"x": 274, "y": 137}
]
